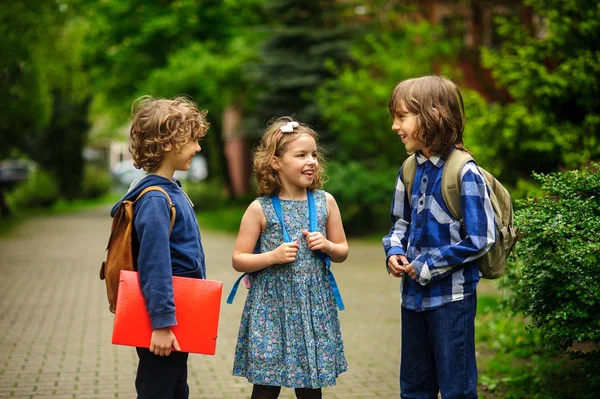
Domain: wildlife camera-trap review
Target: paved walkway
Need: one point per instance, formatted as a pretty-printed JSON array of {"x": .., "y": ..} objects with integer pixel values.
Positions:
[{"x": 55, "y": 327}]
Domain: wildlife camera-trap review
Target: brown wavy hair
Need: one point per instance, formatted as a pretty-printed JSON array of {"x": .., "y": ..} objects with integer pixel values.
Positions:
[
  {"x": 439, "y": 109},
  {"x": 270, "y": 146},
  {"x": 160, "y": 122}
]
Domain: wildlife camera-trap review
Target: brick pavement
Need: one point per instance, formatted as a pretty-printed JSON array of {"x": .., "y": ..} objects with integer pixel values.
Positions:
[{"x": 55, "y": 327}]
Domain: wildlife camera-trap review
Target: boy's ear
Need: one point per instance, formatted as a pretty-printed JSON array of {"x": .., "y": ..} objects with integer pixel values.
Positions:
[
  {"x": 275, "y": 164},
  {"x": 168, "y": 147}
]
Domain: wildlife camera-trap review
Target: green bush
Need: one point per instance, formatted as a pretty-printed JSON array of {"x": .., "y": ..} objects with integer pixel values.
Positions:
[
  {"x": 364, "y": 196},
  {"x": 556, "y": 280},
  {"x": 40, "y": 190},
  {"x": 96, "y": 182},
  {"x": 206, "y": 195}
]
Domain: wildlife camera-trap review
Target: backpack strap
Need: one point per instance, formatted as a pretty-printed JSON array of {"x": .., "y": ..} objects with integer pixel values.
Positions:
[
  {"x": 453, "y": 167},
  {"x": 409, "y": 168},
  {"x": 312, "y": 222},
  {"x": 171, "y": 205},
  {"x": 451, "y": 181},
  {"x": 279, "y": 212},
  {"x": 312, "y": 226}
]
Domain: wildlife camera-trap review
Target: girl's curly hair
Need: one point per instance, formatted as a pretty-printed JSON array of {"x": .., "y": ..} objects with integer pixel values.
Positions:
[
  {"x": 160, "y": 122},
  {"x": 273, "y": 144},
  {"x": 438, "y": 105}
]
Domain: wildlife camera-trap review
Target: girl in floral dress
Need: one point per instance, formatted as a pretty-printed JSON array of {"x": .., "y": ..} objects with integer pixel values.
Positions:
[{"x": 290, "y": 332}]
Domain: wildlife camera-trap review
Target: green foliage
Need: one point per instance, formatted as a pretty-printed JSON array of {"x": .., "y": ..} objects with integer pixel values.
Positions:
[
  {"x": 551, "y": 71},
  {"x": 354, "y": 102},
  {"x": 505, "y": 332},
  {"x": 363, "y": 195},
  {"x": 513, "y": 361},
  {"x": 222, "y": 220},
  {"x": 185, "y": 47},
  {"x": 206, "y": 195},
  {"x": 556, "y": 274},
  {"x": 40, "y": 190},
  {"x": 96, "y": 182},
  {"x": 45, "y": 86},
  {"x": 302, "y": 37}
]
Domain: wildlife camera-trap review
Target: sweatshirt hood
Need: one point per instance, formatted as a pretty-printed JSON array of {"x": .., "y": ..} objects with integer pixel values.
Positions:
[{"x": 138, "y": 185}]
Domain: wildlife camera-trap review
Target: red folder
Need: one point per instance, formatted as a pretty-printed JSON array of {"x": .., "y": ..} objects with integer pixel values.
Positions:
[{"x": 197, "y": 306}]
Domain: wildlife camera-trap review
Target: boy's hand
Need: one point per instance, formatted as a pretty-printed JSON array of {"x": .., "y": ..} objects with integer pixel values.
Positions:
[
  {"x": 162, "y": 341},
  {"x": 285, "y": 253},
  {"x": 410, "y": 271},
  {"x": 316, "y": 241},
  {"x": 397, "y": 265}
]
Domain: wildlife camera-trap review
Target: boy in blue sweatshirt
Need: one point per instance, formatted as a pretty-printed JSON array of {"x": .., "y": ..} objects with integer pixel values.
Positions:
[{"x": 163, "y": 139}]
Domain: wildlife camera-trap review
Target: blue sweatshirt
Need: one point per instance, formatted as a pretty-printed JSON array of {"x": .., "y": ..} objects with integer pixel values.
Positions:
[{"x": 159, "y": 256}]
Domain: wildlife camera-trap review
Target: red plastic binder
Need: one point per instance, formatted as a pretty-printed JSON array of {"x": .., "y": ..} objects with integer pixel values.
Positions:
[{"x": 197, "y": 304}]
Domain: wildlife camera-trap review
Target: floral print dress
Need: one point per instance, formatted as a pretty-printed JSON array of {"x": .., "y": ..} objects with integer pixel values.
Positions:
[{"x": 290, "y": 332}]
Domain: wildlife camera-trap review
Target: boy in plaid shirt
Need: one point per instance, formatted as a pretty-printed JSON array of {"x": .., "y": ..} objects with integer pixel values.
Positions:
[{"x": 432, "y": 251}]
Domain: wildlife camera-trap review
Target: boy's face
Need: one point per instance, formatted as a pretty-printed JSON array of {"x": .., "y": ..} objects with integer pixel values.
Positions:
[
  {"x": 182, "y": 160},
  {"x": 405, "y": 124}
]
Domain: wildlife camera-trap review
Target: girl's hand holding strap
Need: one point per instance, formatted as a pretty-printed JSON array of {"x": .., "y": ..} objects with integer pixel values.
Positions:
[
  {"x": 316, "y": 241},
  {"x": 285, "y": 253}
]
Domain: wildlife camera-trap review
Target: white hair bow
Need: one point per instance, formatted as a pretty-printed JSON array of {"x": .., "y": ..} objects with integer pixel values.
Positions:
[{"x": 289, "y": 127}]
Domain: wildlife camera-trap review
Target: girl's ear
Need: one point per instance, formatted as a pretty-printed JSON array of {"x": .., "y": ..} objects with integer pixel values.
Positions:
[{"x": 275, "y": 164}]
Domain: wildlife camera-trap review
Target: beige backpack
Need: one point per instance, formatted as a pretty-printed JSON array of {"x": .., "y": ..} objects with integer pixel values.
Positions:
[{"x": 491, "y": 265}]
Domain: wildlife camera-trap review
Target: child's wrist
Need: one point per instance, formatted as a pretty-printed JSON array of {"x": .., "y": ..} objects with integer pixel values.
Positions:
[{"x": 329, "y": 247}]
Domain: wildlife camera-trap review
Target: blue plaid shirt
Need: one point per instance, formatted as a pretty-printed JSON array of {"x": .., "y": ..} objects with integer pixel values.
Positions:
[{"x": 440, "y": 250}]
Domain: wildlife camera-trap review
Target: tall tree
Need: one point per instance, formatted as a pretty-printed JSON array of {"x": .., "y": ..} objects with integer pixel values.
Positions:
[
  {"x": 551, "y": 69},
  {"x": 354, "y": 102},
  {"x": 165, "y": 49},
  {"x": 45, "y": 101},
  {"x": 303, "y": 37}
]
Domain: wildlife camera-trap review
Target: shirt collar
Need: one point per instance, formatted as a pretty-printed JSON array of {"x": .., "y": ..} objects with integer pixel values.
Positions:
[{"x": 434, "y": 159}]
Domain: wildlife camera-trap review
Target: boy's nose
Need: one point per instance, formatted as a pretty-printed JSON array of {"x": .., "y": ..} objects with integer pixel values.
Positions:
[{"x": 198, "y": 148}]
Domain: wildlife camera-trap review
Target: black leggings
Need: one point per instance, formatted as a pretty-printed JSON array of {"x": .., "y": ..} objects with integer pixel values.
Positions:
[{"x": 269, "y": 392}]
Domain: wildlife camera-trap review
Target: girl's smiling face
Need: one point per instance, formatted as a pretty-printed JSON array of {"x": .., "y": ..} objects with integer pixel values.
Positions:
[
  {"x": 406, "y": 125},
  {"x": 298, "y": 164}
]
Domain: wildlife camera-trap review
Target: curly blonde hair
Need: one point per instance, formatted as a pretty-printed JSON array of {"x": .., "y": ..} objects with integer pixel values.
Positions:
[
  {"x": 438, "y": 105},
  {"x": 160, "y": 122},
  {"x": 273, "y": 144}
]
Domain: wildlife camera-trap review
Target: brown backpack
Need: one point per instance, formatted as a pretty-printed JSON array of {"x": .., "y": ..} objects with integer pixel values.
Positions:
[
  {"x": 492, "y": 264},
  {"x": 119, "y": 250}
]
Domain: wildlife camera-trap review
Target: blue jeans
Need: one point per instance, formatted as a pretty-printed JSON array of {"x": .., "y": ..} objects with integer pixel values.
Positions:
[{"x": 438, "y": 352}]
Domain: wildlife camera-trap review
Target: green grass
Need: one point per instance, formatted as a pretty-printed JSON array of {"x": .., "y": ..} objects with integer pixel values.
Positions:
[{"x": 513, "y": 361}]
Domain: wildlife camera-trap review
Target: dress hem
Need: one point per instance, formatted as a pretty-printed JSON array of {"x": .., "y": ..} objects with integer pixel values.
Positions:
[{"x": 271, "y": 383}]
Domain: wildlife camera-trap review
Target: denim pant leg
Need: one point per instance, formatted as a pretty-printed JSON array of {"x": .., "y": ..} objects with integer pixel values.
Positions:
[
  {"x": 438, "y": 352},
  {"x": 418, "y": 379},
  {"x": 161, "y": 377},
  {"x": 453, "y": 326}
]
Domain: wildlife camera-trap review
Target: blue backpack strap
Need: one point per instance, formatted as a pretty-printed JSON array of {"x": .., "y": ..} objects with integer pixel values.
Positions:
[
  {"x": 234, "y": 289},
  {"x": 312, "y": 223},
  {"x": 312, "y": 226},
  {"x": 236, "y": 285},
  {"x": 277, "y": 206}
]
